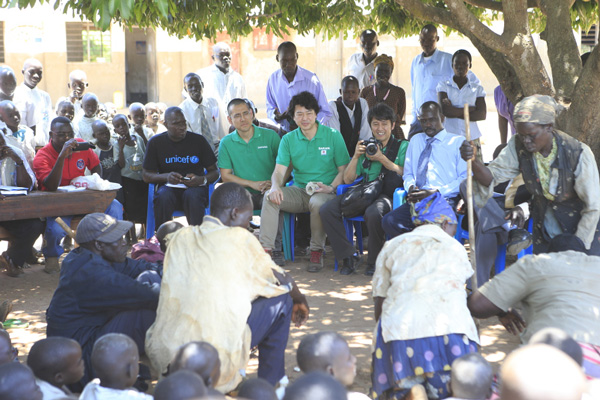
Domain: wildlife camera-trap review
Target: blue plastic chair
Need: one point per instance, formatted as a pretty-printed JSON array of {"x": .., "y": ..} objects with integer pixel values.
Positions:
[
  {"x": 150, "y": 215},
  {"x": 351, "y": 224}
]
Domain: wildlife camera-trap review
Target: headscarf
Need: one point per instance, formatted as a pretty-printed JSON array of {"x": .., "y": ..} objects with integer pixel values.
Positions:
[
  {"x": 383, "y": 59},
  {"x": 433, "y": 209},
  {"x": 537, "y": 109}
]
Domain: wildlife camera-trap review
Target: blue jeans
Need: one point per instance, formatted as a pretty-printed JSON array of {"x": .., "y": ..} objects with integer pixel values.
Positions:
[
  {"x": 192, "y": 201},
  {"x": 269, "y": 322},
  {"x": 55, "y": 233}
]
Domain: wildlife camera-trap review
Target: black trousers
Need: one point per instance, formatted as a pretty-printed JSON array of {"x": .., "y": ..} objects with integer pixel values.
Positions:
[{"x": 25, "y": 232}]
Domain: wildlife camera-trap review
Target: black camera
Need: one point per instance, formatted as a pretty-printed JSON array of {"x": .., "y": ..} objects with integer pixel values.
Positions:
[
  {"x": 83, "y": 146},
  {"x": 372, "y": 146}
]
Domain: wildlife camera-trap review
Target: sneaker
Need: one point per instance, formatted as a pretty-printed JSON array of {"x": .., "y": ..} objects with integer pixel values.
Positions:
[
  {"x": 350, "y": 264},
  {"x": 301, "y": 251},
  {"x": 316, "y": 261},
  {"x": 518, "y": 240},
  {"x": 277, "y": 257},
  {"x": 52, "y": 265},
  {"x": 370, "y": 270}
]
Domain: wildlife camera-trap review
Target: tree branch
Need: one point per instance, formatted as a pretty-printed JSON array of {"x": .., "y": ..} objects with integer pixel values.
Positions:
[
  {"x": 488, "y": 4},
  {"x": 562, "y": 47},
  {"x": 426, "y": 12}
]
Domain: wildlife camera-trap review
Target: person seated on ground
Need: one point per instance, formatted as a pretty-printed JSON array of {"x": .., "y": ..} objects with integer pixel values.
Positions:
[
  {"x": 247, "y": 156},
  {"x": 166, "y": 229},
  {"x": 131, "y": 153},
  {"x": 177, "y": 160},
  {"x": 65, "y": 109},
  {"x": 389, "y": 94},
  {"x": 458, "y": 90},
  {"x": 15, "y": 171},
  {"x": 559, "y": 171},
  {"x": 388, "y": 158},
  {"x": 101, "y": 290},
  {"x": 201, "y": 358},
  {"x": 137, "y": 116},
  {"x": 257, "y": 389},
  {"x": 202, "y": 113},
  {"x": 541, "y": 372},
  {"x": 34, "y": 104},
  {"x": 56, "y": 164},
  {"x": 561, "y": 340},
  {"x": 471, "y": 378},
  {"x": 315, "y": 386},
  {"x": 350, "y": 114},
  {"x": 360, "y": 65},
  {"x": 423, "y": 323},
  {"x": 249, "y": 302},
  {"x": 89, "y": 105},
  {"x": 56, "y": 362},
  {"x": 108, "y": 154},
  {"x": 328, "y": 352},
  {"x": 77, "y": 85},
  {"x": 8, "y": 83},
  {"x": 152, "y": 117},
  {"x": 18, "y": 383},
  {"x": 316, "y": 154},
  {"x": 433, "y": 164},
  {"x": 181, "y": 385},
  {"x": 8, "y": 353},
  {"x": 16, "y": 134},
  {"x": 500, "y": 221},
  {"x": 115, "y": 360},
  {"x": 557, "y": 290}
]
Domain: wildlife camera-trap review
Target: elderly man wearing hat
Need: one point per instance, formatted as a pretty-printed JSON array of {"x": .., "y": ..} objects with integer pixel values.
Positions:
[
  {"x": 559, "y": 171},
  {"x": 423, "y": 323},
  {"x": 101, "y": 290}
]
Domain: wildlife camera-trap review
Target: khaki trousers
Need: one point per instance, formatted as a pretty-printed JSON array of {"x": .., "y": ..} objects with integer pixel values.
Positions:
[{"x": 295, "y": 200}]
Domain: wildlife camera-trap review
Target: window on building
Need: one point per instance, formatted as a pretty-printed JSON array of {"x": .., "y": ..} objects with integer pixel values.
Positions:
[
  {"x": 2, "y": 42},
  {"x": 86, "y": 43},
  {"x": 589, "y": 39}
]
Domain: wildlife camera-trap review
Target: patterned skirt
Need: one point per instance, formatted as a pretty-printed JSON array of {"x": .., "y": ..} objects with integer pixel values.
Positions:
[{"x": 399, "y": 365}]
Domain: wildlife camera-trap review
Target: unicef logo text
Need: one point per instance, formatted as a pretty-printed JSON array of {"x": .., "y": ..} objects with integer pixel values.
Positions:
[
  {"x": 194, "y": 159},
  {"x": 182, "y": 160}
]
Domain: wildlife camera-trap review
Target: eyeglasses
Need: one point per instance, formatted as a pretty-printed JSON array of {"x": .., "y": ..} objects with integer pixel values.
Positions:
[{"x": 245, "y": 114}]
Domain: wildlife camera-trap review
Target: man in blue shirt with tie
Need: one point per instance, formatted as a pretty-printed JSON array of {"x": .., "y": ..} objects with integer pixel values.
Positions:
[{"x": 433, "y": 163}]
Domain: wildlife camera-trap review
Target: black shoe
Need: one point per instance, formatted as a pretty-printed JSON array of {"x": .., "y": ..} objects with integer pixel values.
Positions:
[
  {"x": 350, "y": 265},
  {"x": 277, "y": 257},
  {"x": 518, "y": 240},
  {"x": 370, "y": 270}
]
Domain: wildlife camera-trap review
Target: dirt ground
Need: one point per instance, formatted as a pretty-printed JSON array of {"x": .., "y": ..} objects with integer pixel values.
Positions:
[{"x": 337, "y": 303}]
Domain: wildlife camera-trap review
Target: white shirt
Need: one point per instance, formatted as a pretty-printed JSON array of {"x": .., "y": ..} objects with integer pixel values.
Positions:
[
  {"x": 49, "y": 391},
  {"x": 422, "y": 275},
  {"x": 468, "y": 94},
  {"x": 93, "y": 391},
  {"x": 8, "y": 169},
  {"x": 223, "y": 87},
  {"x": 35, "y": 107},
  {"x": 209, "y": 109},
  {"x": 364, "y": 73},
  {"x": 334, "y": 121},
  {"x": 25, "y": 141},
  {"x": 84, "y": 128}
]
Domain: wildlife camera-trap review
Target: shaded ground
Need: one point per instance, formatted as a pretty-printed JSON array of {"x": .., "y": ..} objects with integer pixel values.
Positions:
[{"x": 338, "y": 303}]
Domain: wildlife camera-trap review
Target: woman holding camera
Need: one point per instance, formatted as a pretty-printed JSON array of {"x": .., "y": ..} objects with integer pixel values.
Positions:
[
  {"x": 384, "y": 92},
  {"x": 381, "y": 157}
]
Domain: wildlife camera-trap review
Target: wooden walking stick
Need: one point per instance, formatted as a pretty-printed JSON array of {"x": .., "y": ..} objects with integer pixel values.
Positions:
[{"x": 470, "y": 205}]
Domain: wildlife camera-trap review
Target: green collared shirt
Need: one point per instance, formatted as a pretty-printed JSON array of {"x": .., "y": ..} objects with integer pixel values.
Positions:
[
  {"x": 375, "y": 169},
  {"x": 255, "y": 160}
]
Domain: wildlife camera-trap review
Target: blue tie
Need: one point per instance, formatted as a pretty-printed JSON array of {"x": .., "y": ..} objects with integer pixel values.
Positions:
[{"x": 423, "y": 162}]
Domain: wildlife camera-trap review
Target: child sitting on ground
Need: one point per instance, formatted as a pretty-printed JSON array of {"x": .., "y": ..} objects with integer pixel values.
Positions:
[
  {"x": 181, "y": 385},
  {"x": 56, "y": 362},
  {"x": 315, "y": 386},
  {"x": 202, "y": 359},
  {"x": 16, "y": 134},
  {"x": 328, "y": 352},
  {"x": 89, "y": 104},
  {"x": 108, "y": 153},
  {"x": 8, "y": 353},
  {"x": 152, "y": 118},
  {"x": 471, "y": 378},
  {"x": 18, "y": 383},
  {"x": 132, "y": 150},
  {"x": 115, "y": 360},
  {"x": 257, "y": 389},
  {"x": 137, "y": 115}
]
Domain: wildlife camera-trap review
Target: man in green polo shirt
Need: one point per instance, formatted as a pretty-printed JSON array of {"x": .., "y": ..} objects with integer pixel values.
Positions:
[
  {"x": 247, "y": 157},
  {"x": 316, "y": 154}
]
